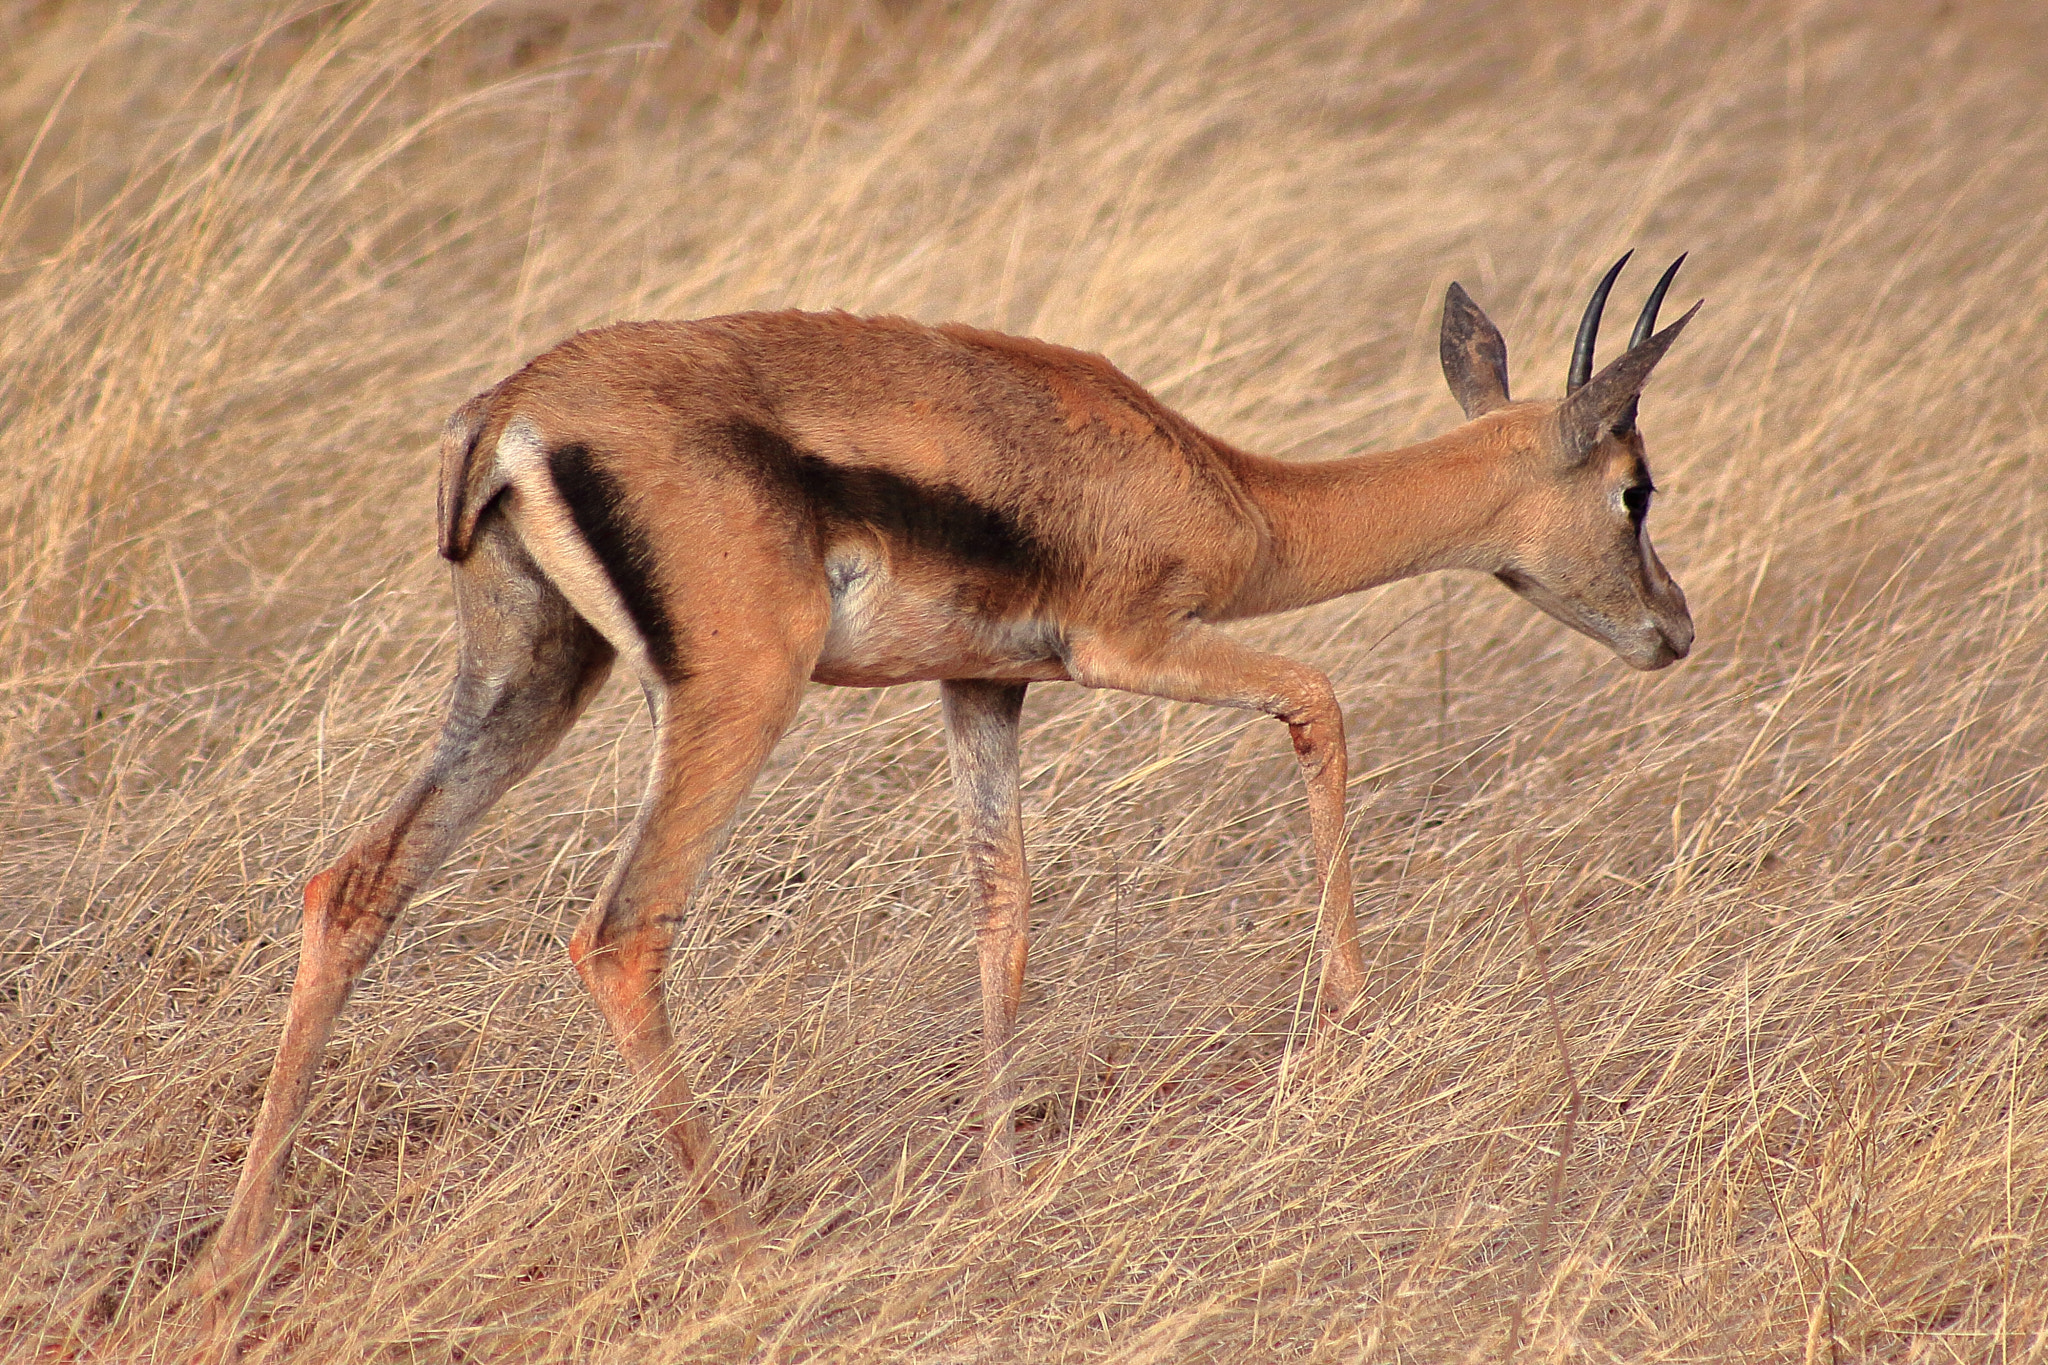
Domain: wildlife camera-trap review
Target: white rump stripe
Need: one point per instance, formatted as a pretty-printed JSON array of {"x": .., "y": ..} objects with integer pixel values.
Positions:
[{"x": 549, "y": 533}]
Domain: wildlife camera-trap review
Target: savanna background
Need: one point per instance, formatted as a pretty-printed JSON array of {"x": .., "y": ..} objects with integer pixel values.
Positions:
[{"x": 1709, "y": 1007}]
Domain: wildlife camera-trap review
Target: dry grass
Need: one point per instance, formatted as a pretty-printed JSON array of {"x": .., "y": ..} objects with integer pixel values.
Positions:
[{"x": 1790, "y": 893}]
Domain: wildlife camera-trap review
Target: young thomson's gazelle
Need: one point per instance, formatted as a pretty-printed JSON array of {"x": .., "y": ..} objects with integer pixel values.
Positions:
[{"x": 740, "y": 505}]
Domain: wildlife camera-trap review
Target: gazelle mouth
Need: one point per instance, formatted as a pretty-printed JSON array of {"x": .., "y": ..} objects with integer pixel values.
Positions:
[
  {"x": 1649, "y": 645},
  {"x": 1666, "y": 649}
]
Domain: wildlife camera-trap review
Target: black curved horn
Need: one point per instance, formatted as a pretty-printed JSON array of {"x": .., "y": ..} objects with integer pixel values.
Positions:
[
  {"x": 1647, "y": 323},
  {"x": 1589, "y": 328}
]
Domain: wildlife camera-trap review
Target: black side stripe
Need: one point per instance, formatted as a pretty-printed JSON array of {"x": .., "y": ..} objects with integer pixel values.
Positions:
[
  {"x": 938, "y": 519},
  {"x": 598, "y": 505}
]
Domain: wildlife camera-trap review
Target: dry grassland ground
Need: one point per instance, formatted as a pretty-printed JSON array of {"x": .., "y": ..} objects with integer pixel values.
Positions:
[{"x": 1790, "y": 893}]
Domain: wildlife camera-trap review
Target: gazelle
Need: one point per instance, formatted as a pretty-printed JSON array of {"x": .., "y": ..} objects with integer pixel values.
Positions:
[{"x": 740, "y": 505}]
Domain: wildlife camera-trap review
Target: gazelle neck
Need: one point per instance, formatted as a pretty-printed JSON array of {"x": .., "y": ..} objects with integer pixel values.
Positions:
[{"x": 1338, "y": 526}]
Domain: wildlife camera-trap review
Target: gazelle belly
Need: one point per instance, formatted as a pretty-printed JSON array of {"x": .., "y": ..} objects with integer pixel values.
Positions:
[{"x": 888, "y": 627}]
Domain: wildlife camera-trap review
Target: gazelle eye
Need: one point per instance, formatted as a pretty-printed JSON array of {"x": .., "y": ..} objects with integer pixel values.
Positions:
[{"x": 1637, "y": 501}]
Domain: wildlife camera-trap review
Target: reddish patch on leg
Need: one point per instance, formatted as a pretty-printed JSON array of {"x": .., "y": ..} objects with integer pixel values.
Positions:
[
  {"x": 1304, "y": 742},
  {"x": 348, "y": 909},
  {"x": 319, "y": 892}
]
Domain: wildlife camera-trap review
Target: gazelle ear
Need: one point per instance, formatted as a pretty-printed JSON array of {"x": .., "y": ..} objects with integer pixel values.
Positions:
[
  {"x": 1607, "y": 401},
  {"x": 1475, "y": 358}
]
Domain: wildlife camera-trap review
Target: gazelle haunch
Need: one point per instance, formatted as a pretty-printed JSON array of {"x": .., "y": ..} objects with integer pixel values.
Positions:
[{"x": 740, "y": 505}]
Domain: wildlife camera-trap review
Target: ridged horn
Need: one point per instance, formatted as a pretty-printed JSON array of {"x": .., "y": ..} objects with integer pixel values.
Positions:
[
  {"x": 1647, "y": 323},
  {"x": 1589, "y": 329}
]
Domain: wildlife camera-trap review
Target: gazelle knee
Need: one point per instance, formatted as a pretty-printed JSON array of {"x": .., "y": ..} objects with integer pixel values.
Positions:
[
  {"x": 584, "y": 951},
  {"x": 1314, "y": 716},
  {"x": 596, "y": 960},
  {"x": 604, "y": 958},
  {"x": 622, "y": 972},
  {"x": 343, "y": 912}
]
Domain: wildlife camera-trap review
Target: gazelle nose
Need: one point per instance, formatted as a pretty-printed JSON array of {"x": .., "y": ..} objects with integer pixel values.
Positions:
[
  {"x": 1679, "y": 634},
  {"x": 1675, "y": 634}
]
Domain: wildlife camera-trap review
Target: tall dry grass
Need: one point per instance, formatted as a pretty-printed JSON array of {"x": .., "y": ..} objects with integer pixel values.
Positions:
[{"x": 1788, "y": 895}]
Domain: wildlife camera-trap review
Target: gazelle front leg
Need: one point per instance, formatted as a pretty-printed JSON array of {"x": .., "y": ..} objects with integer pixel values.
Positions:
[
  {"x": 981, "y": 742},
  {"x": 1199, "y": 663}
]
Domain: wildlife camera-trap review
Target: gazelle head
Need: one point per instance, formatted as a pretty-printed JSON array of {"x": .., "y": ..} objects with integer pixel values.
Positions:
[{"x": 1574, "y": 535}]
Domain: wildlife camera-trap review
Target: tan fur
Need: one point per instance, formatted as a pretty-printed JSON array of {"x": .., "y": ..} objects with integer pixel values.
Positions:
[{"x": 738, "y": 505}]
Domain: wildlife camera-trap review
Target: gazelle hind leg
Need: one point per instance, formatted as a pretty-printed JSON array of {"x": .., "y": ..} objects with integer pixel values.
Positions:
[
  {"x": 528, "y": 667},
  {"x": 981, "y": 743},
  {"x": 716, "y": 729}
]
